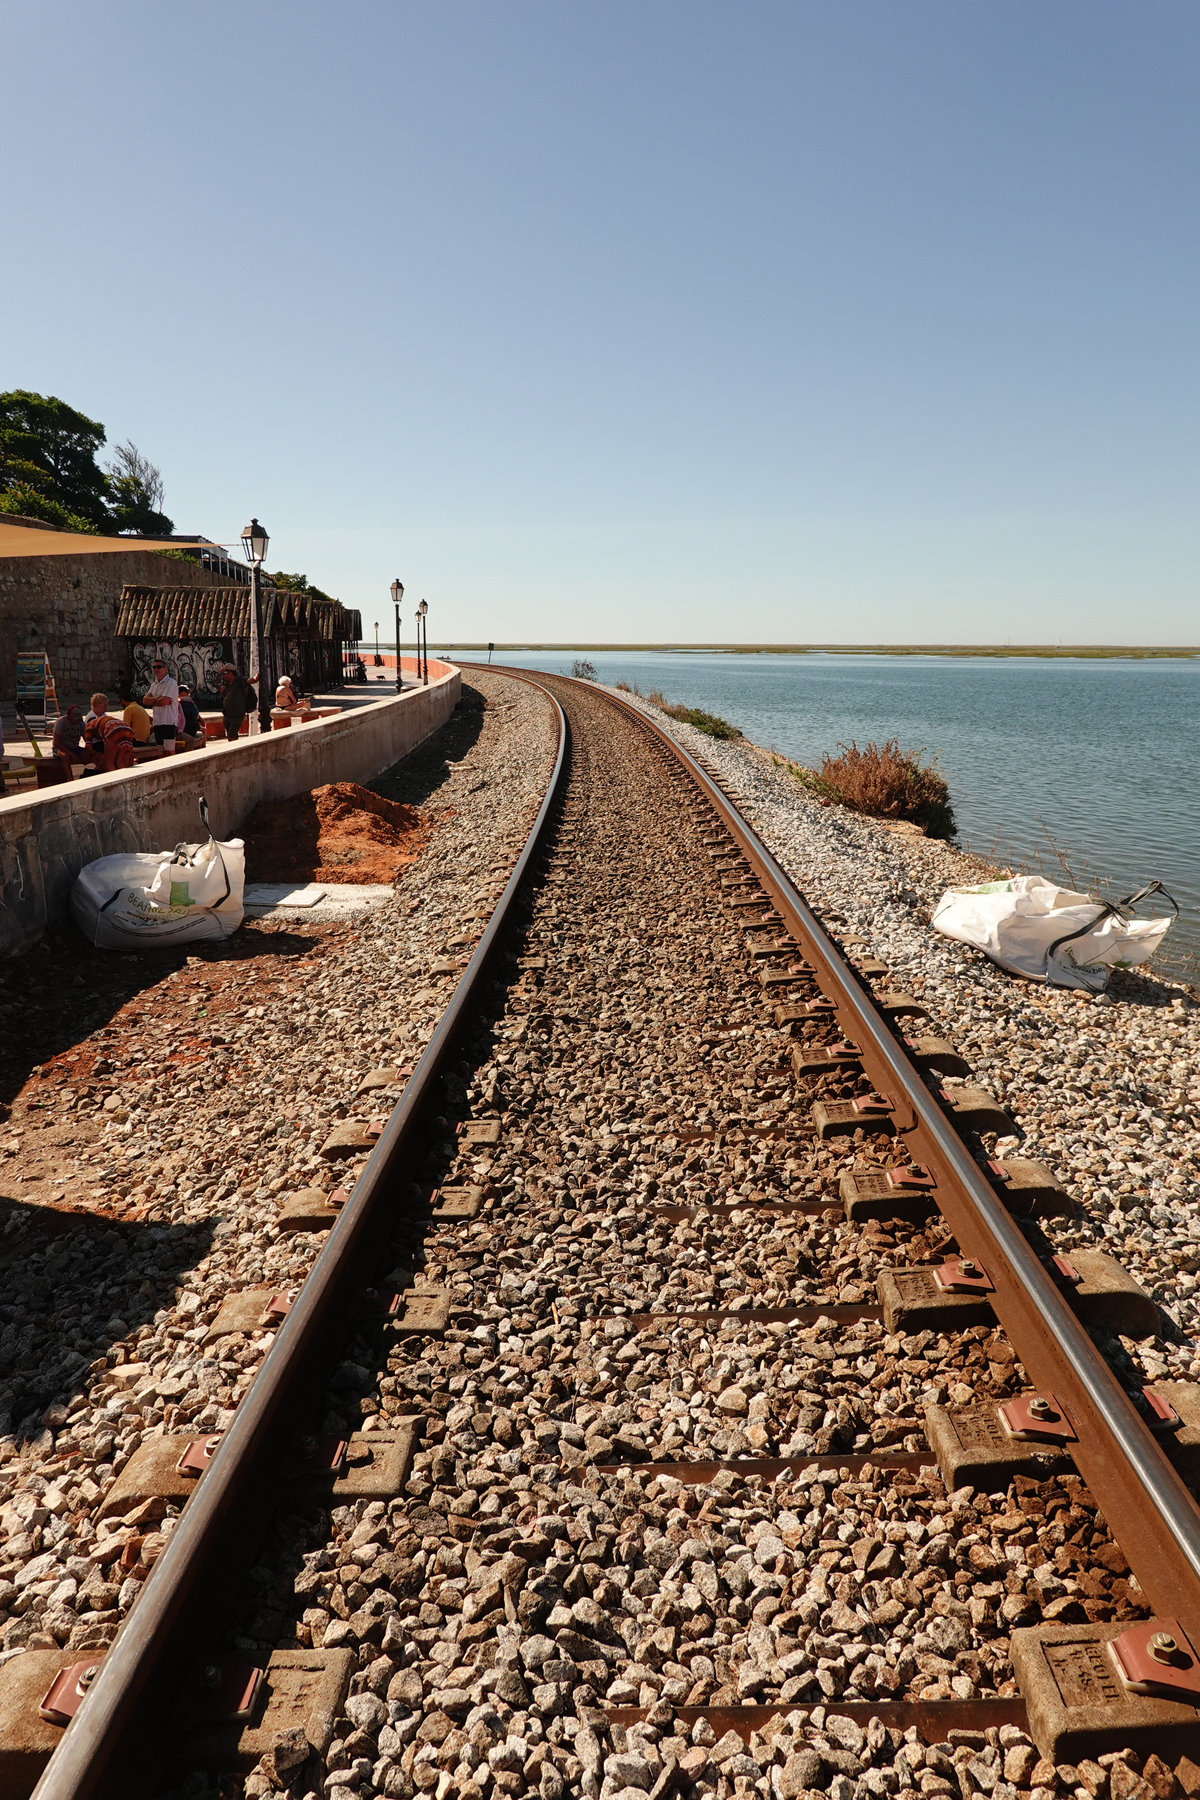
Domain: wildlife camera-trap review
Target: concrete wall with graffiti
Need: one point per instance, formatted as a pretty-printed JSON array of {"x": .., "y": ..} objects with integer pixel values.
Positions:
[{"x": 197, "y": 664}]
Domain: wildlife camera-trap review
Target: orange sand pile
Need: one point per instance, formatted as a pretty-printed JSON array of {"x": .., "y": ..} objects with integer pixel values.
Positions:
[{"x": 342, "y": 832}]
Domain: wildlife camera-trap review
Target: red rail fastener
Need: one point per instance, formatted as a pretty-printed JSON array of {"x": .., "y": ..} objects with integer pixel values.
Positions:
[
  {"x": 66, "y": 1692},
  {"x": 960, "y": 1275},
  {"x": 198, "y": 1452},
  {"x": 219, "y": 1691},
  {"x": 278, "y": 1305},
  {"x": 380, "y": 1303},
  {"x": 315, "y": 1455},
  {"x": 871, "y": 1105},
  {"x": 909, "y": 1175},
  {"x": 1156, "y": 1657},
  {"x": 1163, "y": 1416},
  {"x": 1040, "y": 1418}
]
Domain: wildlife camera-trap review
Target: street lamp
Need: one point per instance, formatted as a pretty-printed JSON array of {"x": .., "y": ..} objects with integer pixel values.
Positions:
[
  {"x": 378, "y": 658},
  {"x": 254, "y": 544},
  {"x": 421, "y": 612},
  {"x": 397, "y": 597}
]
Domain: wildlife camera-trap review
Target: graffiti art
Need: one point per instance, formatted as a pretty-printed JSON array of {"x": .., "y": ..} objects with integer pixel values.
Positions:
[{"x": 194, "y": 665}]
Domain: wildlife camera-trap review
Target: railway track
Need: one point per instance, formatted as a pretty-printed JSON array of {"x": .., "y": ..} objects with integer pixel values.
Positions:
[{"x": 752, "y": 1210}]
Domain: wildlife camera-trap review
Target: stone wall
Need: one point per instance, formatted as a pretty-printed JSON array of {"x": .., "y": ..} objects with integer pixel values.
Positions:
[
  {"x": 46, "y": 838},
  {"x": 66, "y": 605}
]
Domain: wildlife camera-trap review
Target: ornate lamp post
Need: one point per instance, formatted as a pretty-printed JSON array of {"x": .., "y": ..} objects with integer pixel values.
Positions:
[
  {"x": 423, "y": 626},
  {"x": 254, "y": 544},
  {"x": 397, "y": 597},
  {"x": 378, "y": 658}
]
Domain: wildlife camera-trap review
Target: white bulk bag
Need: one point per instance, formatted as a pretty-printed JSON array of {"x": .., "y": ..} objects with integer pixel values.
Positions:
[
  {"x": 1022, "y": 924},
  {"x": 149, "y": 898}
]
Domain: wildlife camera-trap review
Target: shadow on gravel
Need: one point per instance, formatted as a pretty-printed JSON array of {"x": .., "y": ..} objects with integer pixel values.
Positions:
[
  {"x": 72, "y": 1284},
  {"x": 63, "y": 989},
  {"x": 420, "y": 774},
  {"x": 1136, "y": 987}
]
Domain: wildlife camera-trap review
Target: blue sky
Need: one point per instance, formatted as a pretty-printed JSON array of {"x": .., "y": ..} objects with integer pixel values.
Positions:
[{"x": 637, "y": 322}]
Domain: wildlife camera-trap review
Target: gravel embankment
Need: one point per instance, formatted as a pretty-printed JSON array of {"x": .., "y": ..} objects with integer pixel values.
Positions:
[
  {"x": 521, "y": 1589},
  {"x": 1105, "y": 1089},
  {"x": 146, "y": 1158}
]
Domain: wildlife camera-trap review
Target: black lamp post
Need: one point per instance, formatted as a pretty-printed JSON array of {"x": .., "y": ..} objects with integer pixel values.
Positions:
[
  {"x": 378, "y": 658},
  {"x": 397, "y": 597},
  {"x": 422, "y": 624},
  {"x": 254, "y": 544}
]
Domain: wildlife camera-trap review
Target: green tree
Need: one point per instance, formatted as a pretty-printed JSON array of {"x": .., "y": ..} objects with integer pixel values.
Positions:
[
  {"x": 47, "y": 445},
  {"x": 298, "y": 584},
  {"x": 135, "y": 491},
  {"x": 31, "y": 502}
]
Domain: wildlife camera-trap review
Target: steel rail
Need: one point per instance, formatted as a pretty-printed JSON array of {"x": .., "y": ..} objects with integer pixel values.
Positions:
[
  {"x": 1150, "y": 1512},
  {"x": 108, "y": 1746}
]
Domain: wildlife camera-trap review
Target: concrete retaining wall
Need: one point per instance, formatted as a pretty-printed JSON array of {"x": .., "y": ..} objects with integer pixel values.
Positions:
[{"x": 46, "y": 840}]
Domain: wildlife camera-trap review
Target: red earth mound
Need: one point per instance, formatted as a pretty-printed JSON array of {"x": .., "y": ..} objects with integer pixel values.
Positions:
[{"x": 339, "y": 833}]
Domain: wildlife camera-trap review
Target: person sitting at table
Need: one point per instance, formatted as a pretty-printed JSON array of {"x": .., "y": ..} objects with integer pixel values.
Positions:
[
  {"x": 68, "y": 741},
  {"x": 139, "y": 722},
  {"x": 110, "y": 737},
  {"x": 190, "y": 728}
]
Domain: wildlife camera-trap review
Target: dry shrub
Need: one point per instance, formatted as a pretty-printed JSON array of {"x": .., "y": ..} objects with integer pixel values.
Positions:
[{"x": 887, "y": 784}]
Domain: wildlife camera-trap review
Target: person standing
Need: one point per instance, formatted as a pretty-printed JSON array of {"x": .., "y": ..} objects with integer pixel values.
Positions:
[
  {"x": 163, "y": 696},
  {"x": 237, "y": 698}
]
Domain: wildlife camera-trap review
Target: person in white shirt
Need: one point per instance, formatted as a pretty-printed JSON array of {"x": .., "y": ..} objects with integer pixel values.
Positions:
[{"x": 162, "y": 696}]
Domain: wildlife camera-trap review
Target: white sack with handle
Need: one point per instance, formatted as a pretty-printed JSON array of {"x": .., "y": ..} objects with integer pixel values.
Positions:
[
  {"x": 1034, "y": 928},
  {"x": 138, "y": 898}
]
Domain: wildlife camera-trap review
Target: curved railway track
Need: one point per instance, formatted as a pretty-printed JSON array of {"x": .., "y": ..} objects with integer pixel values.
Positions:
[{"x": 803, "y": 1005}]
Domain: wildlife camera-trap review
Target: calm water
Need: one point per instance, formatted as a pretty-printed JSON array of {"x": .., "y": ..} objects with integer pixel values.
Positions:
[{"x": 1101, "y": 756}]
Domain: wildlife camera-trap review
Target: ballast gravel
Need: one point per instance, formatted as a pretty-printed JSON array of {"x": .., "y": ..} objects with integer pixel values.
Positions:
[
  {"x": 534, "y": 1577},
  {"x": 145, "y": 1161}
]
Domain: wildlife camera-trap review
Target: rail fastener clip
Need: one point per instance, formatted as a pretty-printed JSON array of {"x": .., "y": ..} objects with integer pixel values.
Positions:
[{"x": 1038, "y": 1419}]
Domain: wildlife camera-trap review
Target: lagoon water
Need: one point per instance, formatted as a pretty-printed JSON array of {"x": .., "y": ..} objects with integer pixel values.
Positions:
[{"x": 1101, "y": 756}]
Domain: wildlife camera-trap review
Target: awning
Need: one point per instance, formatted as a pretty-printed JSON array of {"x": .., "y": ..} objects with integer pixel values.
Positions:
[{"x": 24, "y": 540}]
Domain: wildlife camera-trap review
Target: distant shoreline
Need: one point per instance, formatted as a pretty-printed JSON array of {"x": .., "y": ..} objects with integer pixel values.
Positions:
[{"x": 1097, "y": 652}]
